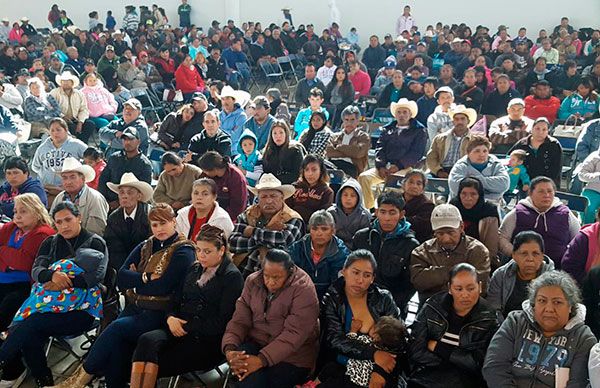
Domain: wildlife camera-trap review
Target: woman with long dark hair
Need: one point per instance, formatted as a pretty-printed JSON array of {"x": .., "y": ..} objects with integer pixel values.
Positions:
[
  {"x": 312, "y": 189},
  {"x": 282, "y": 156},
  {"x": 339, "y": 93},
  {"x": 316, "y": 138}
]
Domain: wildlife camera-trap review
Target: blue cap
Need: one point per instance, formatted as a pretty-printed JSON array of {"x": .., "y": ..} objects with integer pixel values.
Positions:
[
  {"x": 411, "y": 47},
  {"x": 389, "y": 64}
]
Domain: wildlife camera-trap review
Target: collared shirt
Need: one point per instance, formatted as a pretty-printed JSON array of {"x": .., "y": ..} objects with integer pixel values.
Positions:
[
  {"x": 132, "y": 215},
  {"x": 453, "y": 153}
]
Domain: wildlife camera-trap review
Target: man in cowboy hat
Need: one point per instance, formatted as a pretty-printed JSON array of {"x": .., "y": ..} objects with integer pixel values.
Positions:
[
  {"x": 439, "y": 121},
  {"x": 91, "y": 204},
  {"x": 449, "y": 146},
  {"x": 128, "y": 225},
  {"x": 401, "y": 145},
  {"x": 268, "y": 224},
  {"x": 73, "y": 106},
  {"x": 127, "y": 160},
  {"x": 27, "y": 28},
  {"x": 232, "y": 115},
  {"x": 132, "y": 117}
]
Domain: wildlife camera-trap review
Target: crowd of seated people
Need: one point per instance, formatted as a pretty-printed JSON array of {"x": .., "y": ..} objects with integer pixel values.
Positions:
[{"x": 291, "y": 239}]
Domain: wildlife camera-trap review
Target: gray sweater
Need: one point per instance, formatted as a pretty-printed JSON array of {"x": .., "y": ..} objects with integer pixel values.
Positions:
[
  {"x": 520, "y": 356},
  {"x": 48, "y": 159}
]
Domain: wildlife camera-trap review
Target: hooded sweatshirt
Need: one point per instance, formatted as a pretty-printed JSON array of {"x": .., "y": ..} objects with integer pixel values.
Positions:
[
  {"x": 346, "y": 225},
  {"x": 7, "y": 195},
  {"x": 252, "y": 164},
  {"x": 233, "y": 124},
  {"x": 521, "y": 356},
  {"x": 48, "y": 159},
  {"x": 557, "y": 225}
]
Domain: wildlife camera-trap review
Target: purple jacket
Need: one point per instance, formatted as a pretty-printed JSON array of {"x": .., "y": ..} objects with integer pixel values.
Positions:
[
  {"x": 553, "y": 225},
  {"x": 575, "y": 259},
  {"x": 405, "y": 149}
]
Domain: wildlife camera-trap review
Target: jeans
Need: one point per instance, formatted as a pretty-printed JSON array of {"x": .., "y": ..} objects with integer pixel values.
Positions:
[
  {"x": 87, "y": 129},
  {"x": 28, "y": 338},
  {"x": 282, "y": 375},
  {"x": 111, "y": 353}
]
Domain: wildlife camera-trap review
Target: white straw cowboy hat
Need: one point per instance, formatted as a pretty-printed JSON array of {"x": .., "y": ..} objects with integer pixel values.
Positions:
[
  {"x": 129, "y": 180},
  {"x": 405, "y": 103},
  {"x": 71, "y": 164},
  {"x": 67, "y": 76},
  {"x": 461, "y": 109},
  {"x": 270, "y": 182},
  {"x": 241, "y": 97}
]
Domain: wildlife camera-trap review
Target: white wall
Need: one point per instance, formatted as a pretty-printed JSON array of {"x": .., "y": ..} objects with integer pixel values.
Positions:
[{"x": 368, "y": 16}]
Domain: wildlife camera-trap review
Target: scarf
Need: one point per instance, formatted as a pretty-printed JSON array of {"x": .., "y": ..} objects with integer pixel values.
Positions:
[
  {"x": 207, "y": 276},
  {"x": 472, "y": 216},
  {"x": 311, "y": 133}
]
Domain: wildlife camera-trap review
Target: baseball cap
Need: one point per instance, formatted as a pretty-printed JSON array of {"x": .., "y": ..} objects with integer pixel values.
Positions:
[
  {"x": 411, "y": 47},
  {"x": 389, "y": 64},
  {"x": 134, "y": 103},
  {"x": 446, "y": 89},
  {"x": 516, "y": 101},
  {"x": 445, "y": 216},
  {"x": 90, "y": 62},
  {"x": 110, "y": 48},
  {"x": 130, "y": 133},
  {"x": 542, "y": 82},
  {"x": 198, "y": 96}
]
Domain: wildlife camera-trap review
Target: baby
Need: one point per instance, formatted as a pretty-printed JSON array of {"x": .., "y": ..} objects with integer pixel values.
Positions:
[
  {"x": 388, "y": 334},
  {"x": 517, "y": 171}
]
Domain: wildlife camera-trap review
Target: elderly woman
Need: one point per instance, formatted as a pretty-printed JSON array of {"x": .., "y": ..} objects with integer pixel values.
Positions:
[
  {"x": 320, "y": 253},
  {"x": 18, "y": 181},
  {"x": 282, "y": 156},
  {"x": 197, "y": 319},
  {"x": 544, "y": 153},
  {"x": 232, "y": 193},
  {"x": 543, "y": 213},
  {"x": 355, "y": 298},
  {"x": 417, "y": 206},
  {"x": 20, "y": 241},
  {"x": 509, "y": 283},
  {"x": 545, "y": 344},
  {"x": 312, "y": 189},
  {"x": 478, "y": 163},
  {"x": 272, "y": 338},
  {"x": 451, "y": 333},
  {"x": 204, "y": 210},
  {"x": 151, "y": 276},
  {"x": 480, "y": 217},
  {"x": 73, "y": 263},
  {"x": 39, "y": 108}
]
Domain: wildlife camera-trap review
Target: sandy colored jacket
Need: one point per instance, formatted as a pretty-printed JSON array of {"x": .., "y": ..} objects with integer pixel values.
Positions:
[
  {"x": 74, "y": 106},
  {"x": 357, "y": 150},
  {"x": 177, "y": 189},
  {"x": 439, "y": 150}
]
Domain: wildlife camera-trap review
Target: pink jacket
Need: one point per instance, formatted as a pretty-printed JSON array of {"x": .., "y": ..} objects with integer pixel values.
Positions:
[
  {"x": 99, "y": 100},
  {"x": 287, "y": 328},
  {"x": 361, "y": 82}
]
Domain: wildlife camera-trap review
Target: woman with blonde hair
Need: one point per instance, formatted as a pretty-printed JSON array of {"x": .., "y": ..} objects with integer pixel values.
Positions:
[{"x": 20, "y": 240}]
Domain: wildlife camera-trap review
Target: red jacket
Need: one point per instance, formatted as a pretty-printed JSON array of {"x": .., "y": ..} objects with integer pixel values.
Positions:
[
  {"x": 232, "y": 193},
  {"x": 21, "y": 259},
  {"x": 361, "y": 82},
  {"x": 188, "y": 80},
  {"x": 548, "y": 108}
]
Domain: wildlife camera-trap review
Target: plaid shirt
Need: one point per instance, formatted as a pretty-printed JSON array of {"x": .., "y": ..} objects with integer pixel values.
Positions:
[
  {"x": 319, "y": 142},
  {"x": 262, "y": 237},
  {"x": 453, "y": 152}
]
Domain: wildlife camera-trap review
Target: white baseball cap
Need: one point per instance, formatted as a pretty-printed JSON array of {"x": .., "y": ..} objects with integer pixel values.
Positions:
[{"x": 445, "y": 216}]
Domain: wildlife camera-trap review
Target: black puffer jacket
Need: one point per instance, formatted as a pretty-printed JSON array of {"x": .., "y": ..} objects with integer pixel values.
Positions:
[
  {"x": 393, "y": 261},
  {"x": 285, "y": 163},
  {"x": 461, "y": 367},
  {"x": 333, "y": 320},
  {"x": 201, "y": 143},
  {"x": 207, "y": 309}
]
